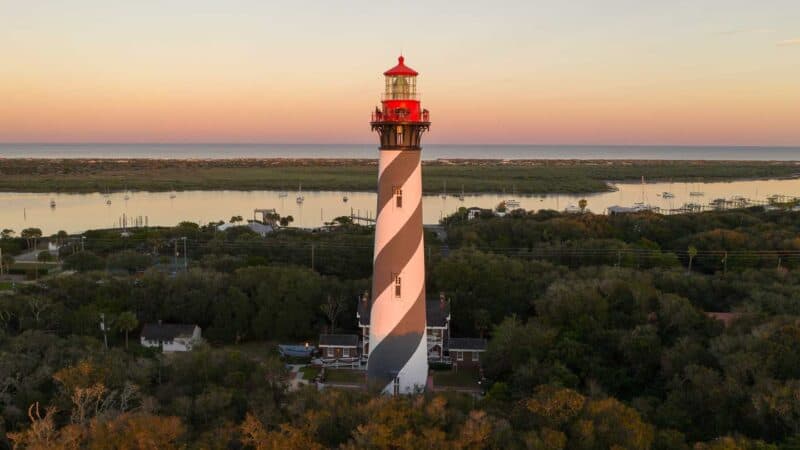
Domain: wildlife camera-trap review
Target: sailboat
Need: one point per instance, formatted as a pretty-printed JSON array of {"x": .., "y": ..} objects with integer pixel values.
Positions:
[
  {"x": 52, "y": 203},
  {"x": 461, "y": 195},
  {"x": 444, "y": 189},
  {"x": 345, "y": 198},
  {"x": 513, "y": 202},
  {"x": 300, "y": 199}
]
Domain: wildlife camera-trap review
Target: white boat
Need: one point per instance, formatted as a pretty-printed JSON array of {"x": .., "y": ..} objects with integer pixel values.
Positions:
[
  {"x": 697, "y": 194},
  {"x": 172, "y": 195},
  {"x": 668, "y": 195},
  {"x": 572, "y": 209},
  {"x": 511, "y": 203}
]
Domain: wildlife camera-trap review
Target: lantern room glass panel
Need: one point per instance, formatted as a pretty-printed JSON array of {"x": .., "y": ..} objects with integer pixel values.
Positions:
[{"x": 399, "y": 87}]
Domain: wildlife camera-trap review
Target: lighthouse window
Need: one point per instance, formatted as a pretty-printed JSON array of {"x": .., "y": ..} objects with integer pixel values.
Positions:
[
  {"x": 397, "y": 286},
  {"x": 398, "y": 195}
]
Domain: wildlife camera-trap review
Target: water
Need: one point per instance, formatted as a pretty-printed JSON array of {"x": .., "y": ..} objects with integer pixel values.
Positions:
[
  {"x": 78, "y": 212},
  {"x": 204, "y": 151}
]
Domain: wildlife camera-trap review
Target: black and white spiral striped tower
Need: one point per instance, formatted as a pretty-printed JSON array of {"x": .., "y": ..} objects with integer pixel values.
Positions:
[{"x": 398, "y": 360}]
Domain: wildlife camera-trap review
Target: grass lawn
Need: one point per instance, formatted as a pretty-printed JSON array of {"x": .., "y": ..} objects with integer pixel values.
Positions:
[
  {"x": 257, "y": 350},
  {"x": 310, "y": 372},
  {"x": 462, "y": 378},
  {"x": 345, "y": 376}
]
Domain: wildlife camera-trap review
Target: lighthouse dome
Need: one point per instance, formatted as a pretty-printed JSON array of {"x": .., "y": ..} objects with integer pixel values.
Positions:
[{"x": 401, "y": 69}]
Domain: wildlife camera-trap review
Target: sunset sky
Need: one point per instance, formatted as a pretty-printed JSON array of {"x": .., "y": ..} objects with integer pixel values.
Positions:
[{"x": 708, "y": 72}]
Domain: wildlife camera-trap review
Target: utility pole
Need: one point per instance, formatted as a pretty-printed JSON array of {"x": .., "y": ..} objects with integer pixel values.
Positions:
[
  {"x": 185, "y": 262},
  {"x": 725, "y": 264},
  {"x": 103, "y": 327}
]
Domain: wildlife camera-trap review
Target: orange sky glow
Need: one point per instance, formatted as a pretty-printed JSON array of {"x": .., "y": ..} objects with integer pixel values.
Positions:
[{"x": 711, "y": 73}]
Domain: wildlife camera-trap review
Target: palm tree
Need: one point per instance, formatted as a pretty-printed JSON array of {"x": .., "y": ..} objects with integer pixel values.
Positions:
[
  {"x": 692, "y": 253},
  {"x": 126, "y": 322},
  {"x": 582, "y": 204},
  {"x": 7, "y": 233}
]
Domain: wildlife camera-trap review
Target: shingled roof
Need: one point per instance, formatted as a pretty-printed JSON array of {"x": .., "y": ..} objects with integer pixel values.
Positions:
[
  {"x": 166, "y": 331},
  {"x": 469, "y": 344},
  {"x": 338, "y": 340},
  {"x": 435, "y": 311}
]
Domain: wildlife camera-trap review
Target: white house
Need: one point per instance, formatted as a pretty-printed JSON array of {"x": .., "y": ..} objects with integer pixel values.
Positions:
[{"x": 171, "y": 337}]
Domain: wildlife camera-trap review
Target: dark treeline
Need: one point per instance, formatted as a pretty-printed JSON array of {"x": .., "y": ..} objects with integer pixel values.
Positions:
[{"x": 602, "y": 341}]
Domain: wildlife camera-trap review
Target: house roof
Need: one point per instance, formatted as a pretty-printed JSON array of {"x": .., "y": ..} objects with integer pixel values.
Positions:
[
  {"x": 435, "y": 313},
  {"x": 338, "y": 340},
  {"x": 401, "y": 69},
  {"x": 470, "y": 344},
  {"x": 166, "y": 331}
]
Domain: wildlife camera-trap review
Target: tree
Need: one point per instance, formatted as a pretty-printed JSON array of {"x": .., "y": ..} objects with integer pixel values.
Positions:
[
  {"x": 31, "y": 235},
  {"x": 61, "y": 236},
  {"x": 331, "y": 308},
  {"x": 692, "y": 253},
  {"x": 483, "y": 320},
  {"x": 236, "y": 219},
  {"x": 126, "y": 322},
  {"x": 582, "y": 204},
  {"x": 7, "y": 233},
  {"x": 83, "y": 262},
  {"x": 285, "y": 221}
]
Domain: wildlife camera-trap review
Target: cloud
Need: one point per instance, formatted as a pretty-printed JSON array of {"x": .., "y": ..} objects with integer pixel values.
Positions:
[{"x": 788, "y": 42}]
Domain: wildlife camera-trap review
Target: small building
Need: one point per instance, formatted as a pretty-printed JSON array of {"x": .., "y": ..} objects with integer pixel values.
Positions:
[
  {"x": 255, "y": 226},
  {"x": 339, "y": 349},
  {"x": 474, "y": 213},
  {"x": 171, "y": 337},
  {"x": 466, "y": 352}
]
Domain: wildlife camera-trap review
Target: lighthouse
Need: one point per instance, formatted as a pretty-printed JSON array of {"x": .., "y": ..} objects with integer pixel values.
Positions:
[{"x": 398, "y": 360}]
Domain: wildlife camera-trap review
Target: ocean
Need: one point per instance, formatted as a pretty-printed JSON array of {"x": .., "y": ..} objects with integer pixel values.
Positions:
[{"x": 369, "y": 151}]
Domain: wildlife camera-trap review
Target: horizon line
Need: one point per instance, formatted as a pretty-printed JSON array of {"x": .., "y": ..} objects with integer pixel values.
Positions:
[{"x": 207, "y": 143}]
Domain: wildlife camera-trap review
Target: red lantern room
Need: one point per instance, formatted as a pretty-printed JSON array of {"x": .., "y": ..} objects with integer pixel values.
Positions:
[{"x": 401, "y": 120}]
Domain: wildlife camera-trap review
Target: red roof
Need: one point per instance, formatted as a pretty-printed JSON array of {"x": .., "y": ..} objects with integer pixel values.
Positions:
[{"x": 401, "y": 69}]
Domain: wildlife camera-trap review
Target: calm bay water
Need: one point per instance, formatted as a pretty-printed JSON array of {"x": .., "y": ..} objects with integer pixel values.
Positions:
[
  {"x": 369, "y": 151},
  {"x": 78, "y": 212}
]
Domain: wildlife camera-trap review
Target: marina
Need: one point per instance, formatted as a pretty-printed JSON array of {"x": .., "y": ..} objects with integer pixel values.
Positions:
[{"x": 79, "y": 212}]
